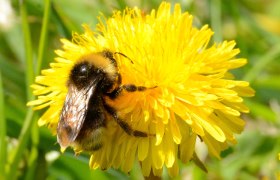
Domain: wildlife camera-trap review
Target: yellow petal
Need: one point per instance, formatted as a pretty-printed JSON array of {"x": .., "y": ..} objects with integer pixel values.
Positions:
[
  {"x": 176, "y": 134},
  {"x": 170, "y": 153},
  {"x": 158, "y": 155},
  {"x": 143, "y": 148},
  {"x": 174, "y": 170},
  {"x": 160, "y": 129},
  {"x": 210, "y": 127}
]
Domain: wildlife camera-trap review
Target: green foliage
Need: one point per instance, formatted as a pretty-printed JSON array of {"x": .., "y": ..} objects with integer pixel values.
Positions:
[{"x": 28, "y": 45}]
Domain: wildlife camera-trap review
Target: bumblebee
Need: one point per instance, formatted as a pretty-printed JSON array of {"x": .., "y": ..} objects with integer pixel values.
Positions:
[{"x": 84, "y": 115}]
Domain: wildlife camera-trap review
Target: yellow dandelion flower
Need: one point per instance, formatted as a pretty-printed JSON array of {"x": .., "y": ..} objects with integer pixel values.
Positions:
[{"x": 195, "y": 95}]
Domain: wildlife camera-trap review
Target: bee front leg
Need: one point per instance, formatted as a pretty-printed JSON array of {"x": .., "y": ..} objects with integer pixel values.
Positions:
[{"x": 128, "y": 88}]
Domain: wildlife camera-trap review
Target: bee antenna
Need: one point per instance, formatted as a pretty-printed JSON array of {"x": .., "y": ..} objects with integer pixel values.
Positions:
[{"x": 124, "y": 56}]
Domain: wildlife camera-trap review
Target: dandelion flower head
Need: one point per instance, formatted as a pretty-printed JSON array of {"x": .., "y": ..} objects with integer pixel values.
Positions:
[{"x": 195, "y": 94}]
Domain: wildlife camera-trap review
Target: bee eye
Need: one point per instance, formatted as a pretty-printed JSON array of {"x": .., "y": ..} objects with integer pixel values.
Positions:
[{"x": 83, "y": 71}]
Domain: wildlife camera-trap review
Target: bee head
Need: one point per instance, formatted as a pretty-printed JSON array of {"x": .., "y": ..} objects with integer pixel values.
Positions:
[{"x": 82, "y": 73}]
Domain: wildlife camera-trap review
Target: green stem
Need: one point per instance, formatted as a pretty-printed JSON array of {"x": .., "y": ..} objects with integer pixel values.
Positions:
[
  {"x": 216, "y": 19},
  {"x": 43, "y": 36},
  {"x": 254, "y": 72},
  {"x": 3, "y": 143}
]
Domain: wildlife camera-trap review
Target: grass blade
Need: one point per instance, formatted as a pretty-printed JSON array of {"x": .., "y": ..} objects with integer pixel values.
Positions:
[
  {"x": 216, "y": 19},
  {"x": 254, "y": 72},
  {"x": 43, "y": 36},
  {"x": 3, "y": 143},
  {"x": 26, "y": 129},
  {"x": 28, "y": 49},
  {"x": 23, "y": 138},
  {"x": 33, "y": 157}
]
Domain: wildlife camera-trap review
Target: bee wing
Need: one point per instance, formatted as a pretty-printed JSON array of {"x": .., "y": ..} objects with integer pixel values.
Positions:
[{"x": 74, "y": 113}]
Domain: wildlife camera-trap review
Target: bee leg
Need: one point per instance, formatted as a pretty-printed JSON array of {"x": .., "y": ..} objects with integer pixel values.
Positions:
[
  {"x": 129, "y": 88},
  {"x": 125, "y": 126},
  {"x": 133, "y": 88}
]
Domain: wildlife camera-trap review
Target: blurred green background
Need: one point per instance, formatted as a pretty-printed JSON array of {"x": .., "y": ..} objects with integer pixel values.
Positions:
[{"x": 29, "y": 33}]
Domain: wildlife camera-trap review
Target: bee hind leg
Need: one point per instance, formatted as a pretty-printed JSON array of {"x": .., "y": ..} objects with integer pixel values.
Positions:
[{"x": 124, "y": 125}]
